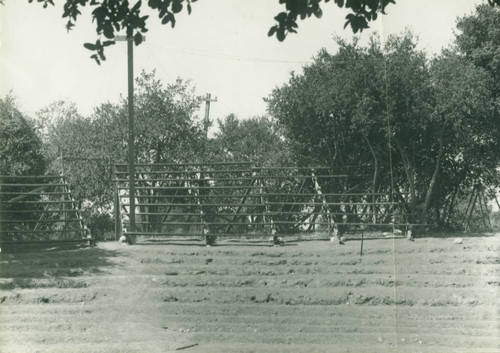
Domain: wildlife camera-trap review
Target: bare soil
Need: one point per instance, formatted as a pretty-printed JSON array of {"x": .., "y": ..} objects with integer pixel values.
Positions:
[{"x": 431, "y": 295}]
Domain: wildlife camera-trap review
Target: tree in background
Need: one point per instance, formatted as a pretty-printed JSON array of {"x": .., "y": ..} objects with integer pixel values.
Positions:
[
  {"x": 419, "y": 124},
  {"x": 256, "y": 140},
  {"x": 478, "y": 42},
  {"x": 20, "y": 154},
  {"x": 166, "y": 131},
  {"x": 20, "y": 143},
  {"x": 462, "y": 114},
  {"x": 56, "y": 123}
]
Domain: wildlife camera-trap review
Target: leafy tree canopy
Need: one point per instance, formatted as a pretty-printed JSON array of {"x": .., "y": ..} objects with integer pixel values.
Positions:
[
  {"x": 428, "y": 124},
  {"x": 20, "y": 144},
  {"x": 166, "y": 131},
  {"x": 478, "y": 40},
  {"x": 256, "y": 139}
]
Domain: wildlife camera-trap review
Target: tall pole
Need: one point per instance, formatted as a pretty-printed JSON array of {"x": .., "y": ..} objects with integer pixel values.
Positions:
[
  {"x": 131, "y": 134},
  {"x": 206, "y": 121}
]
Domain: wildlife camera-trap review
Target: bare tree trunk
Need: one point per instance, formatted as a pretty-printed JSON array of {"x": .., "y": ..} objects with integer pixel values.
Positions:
[
  {"x": 432, "y": 183},
  {"x": 410, "y": 175},
  {"x": 375, "y": 178}
]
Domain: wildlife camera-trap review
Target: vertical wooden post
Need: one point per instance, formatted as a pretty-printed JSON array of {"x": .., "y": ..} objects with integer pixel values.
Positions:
[
  {"x": 265, "y": 209},
  {"x": 131, "y": 134},
  {"x": 362, "y": 239},
  {"x": 63, "y": 189},
  {"x": 117, "y": 207},
  {"x": 326, "y": 211}
]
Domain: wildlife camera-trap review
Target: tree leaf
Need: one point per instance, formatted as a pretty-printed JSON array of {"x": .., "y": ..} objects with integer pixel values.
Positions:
[
  {"x": 90, "y": 46},
  {"x": 272, "y": 31}
]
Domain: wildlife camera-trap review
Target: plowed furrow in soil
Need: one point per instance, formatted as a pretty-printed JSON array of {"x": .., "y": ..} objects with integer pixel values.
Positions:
[{"x": 428, "y": 296}]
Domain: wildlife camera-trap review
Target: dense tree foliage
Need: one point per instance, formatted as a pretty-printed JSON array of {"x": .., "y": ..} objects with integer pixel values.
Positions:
[
  {"x": 424, "y": 127},
  {"x": 20, "y": 144},
  {"x": 166, "y": 131},
  {"x": 256, "y": 139},
  {"x": 20, "y": 154},
  {"x": 478, "y": 41}
]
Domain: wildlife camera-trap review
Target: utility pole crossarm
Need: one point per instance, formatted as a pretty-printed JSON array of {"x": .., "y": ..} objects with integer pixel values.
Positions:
[{"x": 206, "y": 121}]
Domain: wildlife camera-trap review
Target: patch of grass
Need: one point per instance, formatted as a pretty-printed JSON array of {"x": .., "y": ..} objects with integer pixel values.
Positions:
[{"x": 27, "y": 283}]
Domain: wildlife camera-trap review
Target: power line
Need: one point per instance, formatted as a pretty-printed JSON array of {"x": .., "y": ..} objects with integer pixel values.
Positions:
[
  {"x": 229, "y": 109},
  {"x": 219, "y": 55}
]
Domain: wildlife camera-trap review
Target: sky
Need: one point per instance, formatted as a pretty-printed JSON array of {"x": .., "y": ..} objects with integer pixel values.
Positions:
[{"x": 222, "y": 48}]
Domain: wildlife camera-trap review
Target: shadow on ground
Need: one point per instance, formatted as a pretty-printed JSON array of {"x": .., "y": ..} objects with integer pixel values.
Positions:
[{"x": 22, "y": 261}]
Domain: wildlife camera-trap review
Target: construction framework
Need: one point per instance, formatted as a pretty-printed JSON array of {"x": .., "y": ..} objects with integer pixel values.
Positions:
[
  {"x": 39, "y": 209},
  {"x": 241, "y": 199}
]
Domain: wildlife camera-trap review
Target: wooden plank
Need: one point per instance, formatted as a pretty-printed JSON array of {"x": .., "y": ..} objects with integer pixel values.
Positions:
[
  {"x": 190, "y": 204},
  {"x": 71, "y": 220},
  {"x": 329, "y": 203},
  {"x": 222, "y": 214},
  {"x": 14, "y": 242},
  {"x": 188, "y": 196},
  {"x": 188, "y": 187},
  {"x": 32, "y": 185},
  {"x": 42, "y": 231},
  {"x": 186, "y": 234},
  {"x": 271, "y": 177},
  {"x": 30, "y": 177},
  {"x": 42, "y": 202},
  {"x": 35, "y": 211},
  {"x": 233, "y": 171},
  {"x": 185, "y": 179},
  {"x": 31, "y": 193},
  {"x": 184, "y": 164},
  {"x": 291, "y": 168}
]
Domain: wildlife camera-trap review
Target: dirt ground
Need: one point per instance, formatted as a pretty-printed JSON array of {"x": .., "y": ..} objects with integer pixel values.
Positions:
[{"x": 431, "y": 295}]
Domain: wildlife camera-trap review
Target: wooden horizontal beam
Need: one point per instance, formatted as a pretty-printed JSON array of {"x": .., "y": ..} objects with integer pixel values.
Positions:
[
  {"x": 18, "y": 242},
  {"x": 31, "y": 185},
  {"x": 30, "y": 176},
  {"x": 233, "y": 171},
  {"x": 183, "y": 164},
  {"x": 192, "y": 204},
  {"x": 41, "y": 202},
  {"x": 185, "y": 234},
  {"x": 328, "y": 203},
  {"x": 191, "y": 188},
  {"x": 42, "y": 221},
  {"x": 42, "y": 231},
  {"x": 32, "y": 193},
  {"x": 37, "y": 211}
]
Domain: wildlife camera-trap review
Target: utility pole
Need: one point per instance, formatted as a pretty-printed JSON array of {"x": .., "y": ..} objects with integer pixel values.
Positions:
[
  {"x": 206, "y": 121},
  {"x": 131, "y": 133}
]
